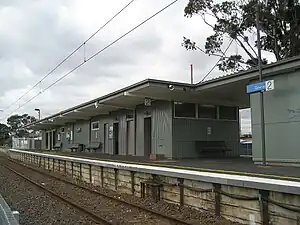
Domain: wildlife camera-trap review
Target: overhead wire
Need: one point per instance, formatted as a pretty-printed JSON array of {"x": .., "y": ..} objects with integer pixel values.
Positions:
[
  {"x": 223, "y": 54},
  {"x": 216, "y": 64},
  {"x": 94, "y": 55},
  {"x": 71, "y": 54}
]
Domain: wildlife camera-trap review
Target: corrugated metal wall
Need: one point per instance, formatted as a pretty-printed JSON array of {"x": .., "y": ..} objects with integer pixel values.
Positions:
[
  {"x": 130, "y": 137},
  {"x": 140, "y": 115},
  {"x": 43, "y": 139},
  {"x": 282, "y": 120},
  {"x": 162, "y": 129},
  {"x": 187, "y": 131},
  {"x": 161, "y": 123},
  {"x": 118, "y": 117},
  {"x": 81, "y": 132},
  {"x": 161, "y": 134}
]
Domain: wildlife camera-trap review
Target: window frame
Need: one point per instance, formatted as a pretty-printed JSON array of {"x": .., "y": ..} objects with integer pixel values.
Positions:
[
  {"x": 95, "y": 122},
  {"x": 185, "y": 117},
  {"x": 224, "y": 119},
  {"x": 208, "y": 118}
]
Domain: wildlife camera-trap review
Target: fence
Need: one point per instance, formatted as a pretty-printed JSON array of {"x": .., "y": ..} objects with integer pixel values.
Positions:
[
  {"x": 26, "y": 143},
  {"x": 7, "y": 217}
]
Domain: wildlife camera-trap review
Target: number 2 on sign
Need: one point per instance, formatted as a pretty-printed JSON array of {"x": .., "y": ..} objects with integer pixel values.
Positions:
[{"x": 270, "y": 85}]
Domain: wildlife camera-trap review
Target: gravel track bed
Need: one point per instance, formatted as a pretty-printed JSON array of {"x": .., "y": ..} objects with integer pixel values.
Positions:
[
  {"x": 113, "y": 211},
  {"x": 34, "y": 205},
  {"x": 184, "y": 213}
]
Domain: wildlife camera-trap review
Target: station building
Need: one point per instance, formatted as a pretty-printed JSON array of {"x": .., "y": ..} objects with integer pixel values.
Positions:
[{"x": 180, "y": 120}]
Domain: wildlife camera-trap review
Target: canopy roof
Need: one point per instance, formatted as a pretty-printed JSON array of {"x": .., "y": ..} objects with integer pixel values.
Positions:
[{"x": 227, "y": 90}]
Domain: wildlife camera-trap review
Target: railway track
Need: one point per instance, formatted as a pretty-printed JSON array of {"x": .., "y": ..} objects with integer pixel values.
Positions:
[
  {"x": 91, "y": 213},
  {"x": 97, "y": 219}
]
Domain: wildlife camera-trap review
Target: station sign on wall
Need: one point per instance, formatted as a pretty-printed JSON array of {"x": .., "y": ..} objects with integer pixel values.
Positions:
[
  {"x": 261, "y": 86},
  {"x": 147, "y": 102}
]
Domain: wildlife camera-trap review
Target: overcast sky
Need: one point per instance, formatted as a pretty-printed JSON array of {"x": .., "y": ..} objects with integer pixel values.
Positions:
[{"x": 37, "y": 35}]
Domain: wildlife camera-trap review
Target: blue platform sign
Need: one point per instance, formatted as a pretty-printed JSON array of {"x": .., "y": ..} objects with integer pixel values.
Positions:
[{"x": 251, "y": 88}]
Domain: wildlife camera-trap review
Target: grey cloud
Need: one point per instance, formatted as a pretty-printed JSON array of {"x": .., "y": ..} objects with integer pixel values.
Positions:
[{"x": 39, "y": 36}]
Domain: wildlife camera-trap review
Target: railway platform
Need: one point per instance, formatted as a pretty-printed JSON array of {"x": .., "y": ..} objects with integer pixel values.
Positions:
[
  {"x": 236, "y": 166},
  {"x": 256, "y": 197}
]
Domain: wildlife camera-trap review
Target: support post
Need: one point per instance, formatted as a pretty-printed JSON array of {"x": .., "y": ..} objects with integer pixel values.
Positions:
[
  {"x": 264, "y": 207},
  {"x": 72, "y": 168},
  {"x": 116, "y": 179},
  {"x": 217, "y": 189},
  {"x": 143, "y": 190},
  {"x": 65, "y": 167},
  {"x": 181, "y": 190},
  {"x": 90, "y": 173},
  {"x": 132, "y": 173},
  {"x": 102, "y": 178},
  {"x": 192, "y": 76},
  {"x": 80, "y": 171},
  {"x": 261, "y": 94}
]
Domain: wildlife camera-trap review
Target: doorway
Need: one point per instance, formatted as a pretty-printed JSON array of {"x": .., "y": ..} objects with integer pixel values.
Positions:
[
  {"x": 116, "y": 138},
  {"x": 53, "y": 139},
  {"x": 50, "y": 140},
  {"x": 105, "y": 138},
  {"x": 47, "y": 140},
  {"x": 147, "y": 136}
]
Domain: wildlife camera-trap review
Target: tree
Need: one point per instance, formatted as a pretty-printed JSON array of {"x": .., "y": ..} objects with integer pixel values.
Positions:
[
  {"x": 279, "y": 22},
  {"x": 16, "y": 124},
  {"x": 4, "y": 134}
]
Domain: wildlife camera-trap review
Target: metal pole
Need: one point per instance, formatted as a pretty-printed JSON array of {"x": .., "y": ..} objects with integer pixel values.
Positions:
[
  {"x": 261, "y": 94},
  {"x": 192, "y": 76}
]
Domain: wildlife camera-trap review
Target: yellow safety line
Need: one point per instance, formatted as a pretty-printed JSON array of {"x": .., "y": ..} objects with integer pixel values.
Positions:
[{"x": 191, "y": 168}]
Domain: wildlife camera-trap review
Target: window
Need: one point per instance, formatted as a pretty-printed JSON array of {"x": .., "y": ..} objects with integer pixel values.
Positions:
[
  {"x": 95, "y": 125},
  {"x": 207, "y": 111},
  {"x": 58, "y": 136},
  {"x": 185, "y": 110},
  {"x": 228, "y": 113}
]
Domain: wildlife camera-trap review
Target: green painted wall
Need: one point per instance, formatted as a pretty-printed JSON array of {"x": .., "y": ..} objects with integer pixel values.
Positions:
[
  {"x": 282, "y": 120},
  {"x": 187, "y": 131}
]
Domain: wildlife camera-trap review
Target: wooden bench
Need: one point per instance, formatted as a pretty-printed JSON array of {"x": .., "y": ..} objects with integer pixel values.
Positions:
[
  {"x": 211, "y": 146},
  {"x": 76, "y": 147},
  {"x": 58, "y": 145},
  {"x": 94, "y": 146}
]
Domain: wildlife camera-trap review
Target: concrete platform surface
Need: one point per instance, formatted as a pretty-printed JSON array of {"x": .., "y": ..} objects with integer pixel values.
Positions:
[{"x": 237, "y": 166}]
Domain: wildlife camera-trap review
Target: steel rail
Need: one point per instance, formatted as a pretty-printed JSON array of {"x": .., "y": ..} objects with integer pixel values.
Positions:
[
  {"x": 92, "y": 215},
  {"x": 159, "y": 214}
]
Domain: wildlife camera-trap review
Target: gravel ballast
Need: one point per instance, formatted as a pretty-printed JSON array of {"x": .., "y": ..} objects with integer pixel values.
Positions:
[
  {"x": 111, "y": 210},
  {"x": 184, "y": 213},
  {"x": 34, "y": 205}
]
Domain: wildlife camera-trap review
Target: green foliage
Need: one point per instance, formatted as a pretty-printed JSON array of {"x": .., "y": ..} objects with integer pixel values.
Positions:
[
  {"x": 279, "y": 22},
  {"x": 4, "y": 134},
  {"x": 16, "y": 124}
]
